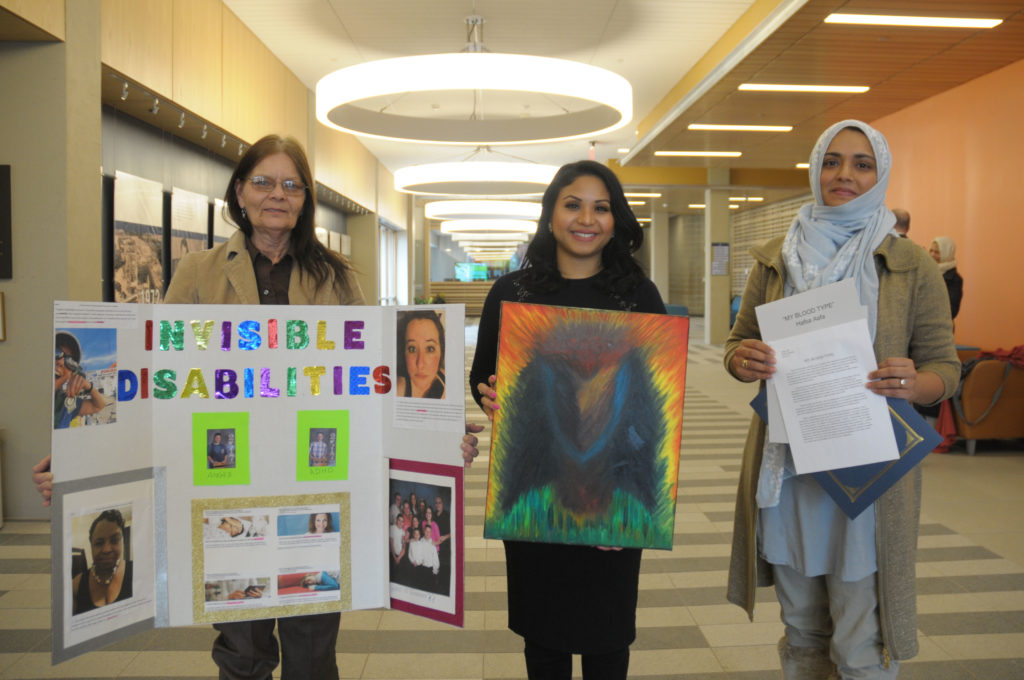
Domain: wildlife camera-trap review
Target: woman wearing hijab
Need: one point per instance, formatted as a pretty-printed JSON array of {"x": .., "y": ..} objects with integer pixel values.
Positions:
[
  {"x": 846, "y": 587},
  {"x": 943, "y": 251}
]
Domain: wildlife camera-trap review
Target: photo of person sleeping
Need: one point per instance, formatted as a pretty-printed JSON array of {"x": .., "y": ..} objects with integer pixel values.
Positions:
[
  {"x": 241, "y": 526},
  {"x": 306, "y": 581}
]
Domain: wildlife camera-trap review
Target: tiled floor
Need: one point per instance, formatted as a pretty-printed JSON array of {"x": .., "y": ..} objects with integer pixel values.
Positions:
[{"x": 970, "y": 580}]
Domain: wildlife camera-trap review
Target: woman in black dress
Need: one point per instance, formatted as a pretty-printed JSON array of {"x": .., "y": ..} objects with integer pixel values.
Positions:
[{"x": 566, "y": 599}]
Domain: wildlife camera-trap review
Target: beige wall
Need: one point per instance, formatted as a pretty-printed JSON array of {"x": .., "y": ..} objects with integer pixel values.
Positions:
[{"x": 51, "y": 140}]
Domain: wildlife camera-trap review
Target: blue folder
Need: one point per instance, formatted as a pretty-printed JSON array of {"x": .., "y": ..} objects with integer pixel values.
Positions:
[{"x": 855, "y": 488}]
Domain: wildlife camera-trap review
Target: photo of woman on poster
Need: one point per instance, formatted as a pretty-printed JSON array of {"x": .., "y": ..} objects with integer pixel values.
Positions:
[
  {"x": 420, "y": 355},
  {"x": 102, "y": 573}
]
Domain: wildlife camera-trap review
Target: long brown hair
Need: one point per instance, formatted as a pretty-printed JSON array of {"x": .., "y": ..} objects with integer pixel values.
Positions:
[{"x": 310, "y": 255}]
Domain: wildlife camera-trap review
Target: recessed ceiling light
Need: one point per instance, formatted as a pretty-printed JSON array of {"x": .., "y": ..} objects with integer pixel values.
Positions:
[
  {"x": 702, "y": 154},
  {"x": 740, "y": 128},
  {"x": 623, "y": 150},
  {"x": 928, "y": 22},
  {"x": 803, "y": 166},
  {"x": 636, "y": 202},
  {"x": 634, "y": 194},
  {"x": 695, "y": 205},
  {"x": 643, "y": 219},
  {"x": 734, "y": 207},
  {"x": 777, "y": 87},
  {"x": 740, "y": 199}
]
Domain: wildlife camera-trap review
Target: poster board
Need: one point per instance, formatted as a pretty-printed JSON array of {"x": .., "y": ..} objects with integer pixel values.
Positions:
[
  {"x": 247, "y": 425},
  {"x": 585, "y": 448}
]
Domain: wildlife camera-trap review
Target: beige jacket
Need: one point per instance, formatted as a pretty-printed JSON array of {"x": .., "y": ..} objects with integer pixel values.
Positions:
[
  {"x": 914, "y": 321},
  {"x": 224, "y": 275}
]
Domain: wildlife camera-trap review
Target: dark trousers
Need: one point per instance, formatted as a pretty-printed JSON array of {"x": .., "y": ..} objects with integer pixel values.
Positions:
[
  {"x": 550, "y": 664},
  {"x": 247, "y": 650}
]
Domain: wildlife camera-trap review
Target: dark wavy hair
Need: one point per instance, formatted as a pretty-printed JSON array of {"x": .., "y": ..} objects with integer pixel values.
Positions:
[
  {"x": 404, "y": 318},
  {"x": 622, "y": 271},
  {"x": 310, "y": 255},
  {"x": 113, "y": 516}
]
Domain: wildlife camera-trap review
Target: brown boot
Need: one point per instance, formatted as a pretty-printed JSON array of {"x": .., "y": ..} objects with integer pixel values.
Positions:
[{"x": 805, "y": 663}]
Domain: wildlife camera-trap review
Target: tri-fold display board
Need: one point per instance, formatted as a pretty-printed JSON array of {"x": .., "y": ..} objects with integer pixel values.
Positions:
[{"x": 221, "y": 463}]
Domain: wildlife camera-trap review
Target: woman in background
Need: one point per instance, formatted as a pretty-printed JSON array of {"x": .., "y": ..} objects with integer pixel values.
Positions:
[
  {"x": 569, "y": 599},
  {"x": 943, "y": 251},
  {"x": 845, "y": 586}
]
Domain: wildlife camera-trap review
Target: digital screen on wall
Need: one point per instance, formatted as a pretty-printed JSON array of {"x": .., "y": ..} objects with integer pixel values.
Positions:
[{"x": 470, "y": 271}]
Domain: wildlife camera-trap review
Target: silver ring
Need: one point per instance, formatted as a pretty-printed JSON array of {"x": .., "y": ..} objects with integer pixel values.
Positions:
[
  {"x": 744, "y": 364},
  {"x": 903, "y": 382}
]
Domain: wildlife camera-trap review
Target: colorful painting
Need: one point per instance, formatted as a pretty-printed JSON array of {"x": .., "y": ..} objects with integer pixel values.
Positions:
[{"x": 585, "y": 447}]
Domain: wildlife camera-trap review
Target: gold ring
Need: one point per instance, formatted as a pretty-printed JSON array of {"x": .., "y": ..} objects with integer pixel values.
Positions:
[{"x": 744, "y": 364}]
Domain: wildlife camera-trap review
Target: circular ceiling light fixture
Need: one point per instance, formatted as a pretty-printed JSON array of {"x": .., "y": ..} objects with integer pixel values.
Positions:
[
  {"x": 506, "y": 98},
  {"x": 472, "y": 178},
  {"x": 461, "y": 226},
  {"x": 481, "y": 210}
]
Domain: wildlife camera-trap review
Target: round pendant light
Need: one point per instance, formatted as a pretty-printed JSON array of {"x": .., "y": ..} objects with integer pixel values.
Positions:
[
  {"x": 481, "y": 210},
  {"x": 488, "y": 226},
  {"x": 471, "y": 178},
  {"x": 385, "y": 98}
]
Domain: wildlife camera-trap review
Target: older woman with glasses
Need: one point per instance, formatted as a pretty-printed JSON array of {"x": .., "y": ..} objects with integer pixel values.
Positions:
[{"x": 273, "y": 259}]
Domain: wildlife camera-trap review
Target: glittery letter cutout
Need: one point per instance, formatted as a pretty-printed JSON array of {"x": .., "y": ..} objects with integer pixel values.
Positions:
[
  {"x": 357, "y": 380},
  {"x": 339, "y": 380},
  {"x": 314, "y": 373},
  {"x": 292, "y": 381},
  {"x": 225, "y": 336},
  {"x": 382, "y": 380},
  {"x": 144, "y": 382},
  {"x": 149, "y": 335},
  {"x": 249, "y": 335},
  {"x": 127, "y": 385},
  {"x": 202, "y": 333},
  {"x": 354, "y": 334},
  {"x": 172, "y": 336},
  {"x": 195, "y": 384},
  {"x": 225, "y": 382},
  {"x": 265, "y": 389},
  {"x": 297, "y": 334},
  {"x": 163, "y": 384},
  {"x": 321, "y": 336},
  {"x": 272, "y": 333},
  {"x": 248, "y": 377}
]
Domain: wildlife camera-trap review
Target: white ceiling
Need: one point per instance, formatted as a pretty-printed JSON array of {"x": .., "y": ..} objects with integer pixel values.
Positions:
[{"x": 651, "y": 43}]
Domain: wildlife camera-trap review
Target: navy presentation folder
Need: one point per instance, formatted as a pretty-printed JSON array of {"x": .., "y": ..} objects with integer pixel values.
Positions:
[{"x": 855, "y": 488}]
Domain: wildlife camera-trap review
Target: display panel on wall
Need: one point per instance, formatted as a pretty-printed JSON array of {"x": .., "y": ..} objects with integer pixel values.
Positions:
[
  {"x": 189, "y": 224},
  {"x": 222, "y": 228},
  {"x": 138, "y": 239},
  {"x": 6, "y": 261}
]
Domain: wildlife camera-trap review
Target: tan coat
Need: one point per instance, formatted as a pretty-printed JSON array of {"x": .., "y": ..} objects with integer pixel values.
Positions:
[
  {"x": 225, "y": 275},
  {"x": 914, "y": 321}
]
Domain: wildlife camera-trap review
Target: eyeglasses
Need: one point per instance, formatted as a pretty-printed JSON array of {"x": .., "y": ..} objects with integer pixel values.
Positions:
[{"x": 266, "y": 184}]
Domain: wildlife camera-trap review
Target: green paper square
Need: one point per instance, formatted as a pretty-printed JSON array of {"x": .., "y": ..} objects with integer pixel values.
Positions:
[
  {"x": 310, "y": 422},
  {"x": 238, "y": 425}
]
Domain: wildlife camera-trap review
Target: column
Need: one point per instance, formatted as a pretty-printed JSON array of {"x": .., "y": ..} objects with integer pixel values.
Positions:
[{"x": 716, "y": 246}]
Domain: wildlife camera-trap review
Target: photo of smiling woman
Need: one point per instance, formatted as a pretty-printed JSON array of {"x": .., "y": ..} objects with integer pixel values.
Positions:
[
  {"x": 420, "y": 356},
  {"x": 102, "y": 571}
]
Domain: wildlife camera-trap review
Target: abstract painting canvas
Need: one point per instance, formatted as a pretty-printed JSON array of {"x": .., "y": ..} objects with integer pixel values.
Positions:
[{"x": 585, "y": 446}]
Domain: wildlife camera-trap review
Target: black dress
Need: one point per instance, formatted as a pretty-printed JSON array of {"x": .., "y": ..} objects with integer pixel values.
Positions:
[{"x": 567, "y": 598}]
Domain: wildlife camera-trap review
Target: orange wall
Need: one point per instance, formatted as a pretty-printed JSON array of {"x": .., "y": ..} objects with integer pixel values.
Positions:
[{"x": 958, "y": 167}]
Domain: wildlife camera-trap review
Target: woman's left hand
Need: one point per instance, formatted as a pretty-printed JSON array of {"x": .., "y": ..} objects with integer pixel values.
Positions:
[
  {"x": 469, "y": 443},
  {"x": 895, "y": 377}
]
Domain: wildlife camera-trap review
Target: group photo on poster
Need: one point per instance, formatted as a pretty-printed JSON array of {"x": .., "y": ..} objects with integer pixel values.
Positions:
[{"x": 424, "y": 542}]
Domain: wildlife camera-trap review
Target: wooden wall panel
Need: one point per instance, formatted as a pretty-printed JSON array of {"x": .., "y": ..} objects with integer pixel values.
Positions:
[
  {"x": 45, "y": 14},
  {"x": 136, "y": 41},
  {"x": 392, "y": 205},
  {"x": 345, "y": 165},
  {"x": 297, "y": 106},
  {"x": 239, "y": 84},
  {"x": 197, "y": 66}
]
